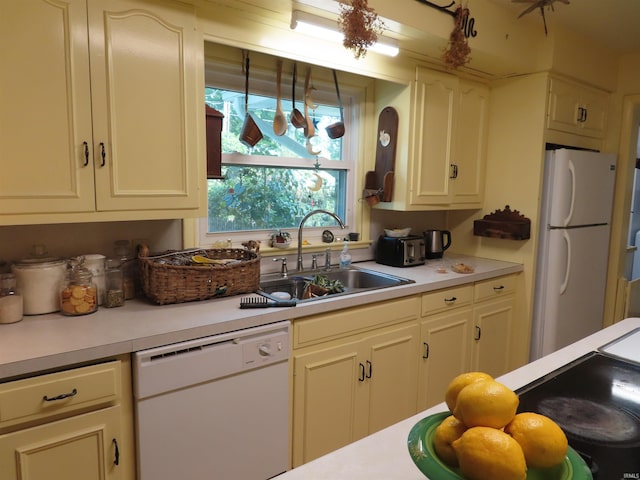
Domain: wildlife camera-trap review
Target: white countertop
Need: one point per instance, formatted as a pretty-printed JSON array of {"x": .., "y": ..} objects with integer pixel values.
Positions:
[
  {"x": 49, "y": 341},
  {"x": 384, "y": 455}
]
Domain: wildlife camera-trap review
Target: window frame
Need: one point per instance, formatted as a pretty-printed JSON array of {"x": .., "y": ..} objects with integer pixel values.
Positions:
[{"x": 221, "y": 73}]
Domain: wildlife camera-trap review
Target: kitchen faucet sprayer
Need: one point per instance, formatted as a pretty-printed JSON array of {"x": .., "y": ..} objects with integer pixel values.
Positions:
[{"x": 299, "y": 265}]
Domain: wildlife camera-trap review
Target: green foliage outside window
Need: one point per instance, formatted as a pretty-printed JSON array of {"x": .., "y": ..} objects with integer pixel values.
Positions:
[{"x": 272, "y": 197}]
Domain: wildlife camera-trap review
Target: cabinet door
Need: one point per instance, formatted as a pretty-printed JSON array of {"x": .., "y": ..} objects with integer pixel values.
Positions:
[
  {"x": 493, "y": 321},
  {"x": 577, "y": 109},
  {"x": 564, "y": 101},
  {"x": 143, "y": 80},
  {"x": 596, "y": 106},
  {"x": 446, "y": 353},
  {"x": 391, "y": 368},
  {"x": 435, "y": 110},
  {"x": 325, "y": 398},
  {"x": 470, "y": 144},
  {"x": 45, "y": 119},
  {"x": 84, "y": 447}
]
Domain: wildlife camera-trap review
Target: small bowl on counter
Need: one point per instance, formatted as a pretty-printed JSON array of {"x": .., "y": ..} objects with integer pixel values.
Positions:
[{"x": 397, "y": 232}]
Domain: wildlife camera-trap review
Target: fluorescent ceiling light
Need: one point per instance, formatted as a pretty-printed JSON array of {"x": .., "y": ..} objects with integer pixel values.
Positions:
[{"x": 327, "y": 29}]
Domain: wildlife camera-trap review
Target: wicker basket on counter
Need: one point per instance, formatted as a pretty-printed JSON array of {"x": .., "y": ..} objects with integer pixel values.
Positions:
[{"x": 170, "y": 277}]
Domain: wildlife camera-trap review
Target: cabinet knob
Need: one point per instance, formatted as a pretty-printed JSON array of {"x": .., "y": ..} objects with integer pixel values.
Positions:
[
  {"x": 478, "y": 333},
  {"x": 498, "y": 288},
  {"x": 450, "y": 300},
  {"x": 425, "y": 355}
]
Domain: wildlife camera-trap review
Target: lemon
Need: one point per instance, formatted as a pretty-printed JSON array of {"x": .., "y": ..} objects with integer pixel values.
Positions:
[
  {"x": 542, "y": 440},
  {"x": 449, "y": 430},
  {"x": 486, "y": 453},
  {"x": 459, "y": 382},
  {"x": 486, "y": 403}
]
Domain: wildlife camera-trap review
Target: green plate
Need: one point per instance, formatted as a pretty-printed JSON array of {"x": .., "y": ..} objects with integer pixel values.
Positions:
[{"x": 420, "y": 445}]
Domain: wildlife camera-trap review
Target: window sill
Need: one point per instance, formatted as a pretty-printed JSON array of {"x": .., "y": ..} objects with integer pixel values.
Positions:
[{"x": 267, "y": 251}]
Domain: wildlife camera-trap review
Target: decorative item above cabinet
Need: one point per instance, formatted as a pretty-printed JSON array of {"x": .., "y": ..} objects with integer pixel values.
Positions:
[{"x": 507, "y": 223}]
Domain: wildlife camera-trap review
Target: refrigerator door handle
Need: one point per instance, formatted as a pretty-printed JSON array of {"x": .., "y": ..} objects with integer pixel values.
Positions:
[
  {"x": 572, "y": 171},
  {"x": 567, "y": 267}
]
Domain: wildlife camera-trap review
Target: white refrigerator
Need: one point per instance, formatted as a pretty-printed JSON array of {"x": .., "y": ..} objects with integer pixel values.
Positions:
[{"x": 573, "y": 248}]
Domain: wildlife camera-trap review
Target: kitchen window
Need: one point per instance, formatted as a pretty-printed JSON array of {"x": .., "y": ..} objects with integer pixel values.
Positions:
[{"x": 274, "y": 184}]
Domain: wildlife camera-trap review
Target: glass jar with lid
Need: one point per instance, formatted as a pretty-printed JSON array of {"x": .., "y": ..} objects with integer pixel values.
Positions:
[
  {"x": 10, "y": 300},
  {"x": 78, "y": 295},
  {"x": 128, "y": 265},
  {"x": 114, "y": 284}
]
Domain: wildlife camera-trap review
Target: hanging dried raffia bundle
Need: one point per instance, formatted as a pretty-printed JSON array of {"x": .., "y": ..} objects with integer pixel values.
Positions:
[
  {"x": 457, "y": 51},
  {"x": 360, "y": 25}
]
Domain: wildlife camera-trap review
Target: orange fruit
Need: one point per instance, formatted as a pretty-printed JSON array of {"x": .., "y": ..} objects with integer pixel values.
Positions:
[
  {"x": 488, "y": 453},
  {"x": 459, "y": 382},
  {"x": 449, "y": 430},
  {"x": 542, "y": 440},
  {"x": 487, "y": 404}
]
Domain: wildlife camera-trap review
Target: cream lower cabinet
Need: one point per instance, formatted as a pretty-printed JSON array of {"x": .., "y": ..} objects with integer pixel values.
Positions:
[
  {"x": 493, "y": 319},
  {"x": 446, "y": 341},
  {"x": 78, "y": 448},
  {"x": 352, "y": 381},
  {"x": 71, "y": 425},
  {"x": 466, "y": 328},
  {"x": 98, "y": 110}
]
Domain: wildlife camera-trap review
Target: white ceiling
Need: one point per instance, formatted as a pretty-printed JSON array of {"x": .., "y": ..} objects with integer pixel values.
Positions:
[{"x": 614, "y": 23}]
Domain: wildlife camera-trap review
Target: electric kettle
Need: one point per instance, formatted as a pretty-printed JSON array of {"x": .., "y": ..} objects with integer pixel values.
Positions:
[{"x": 436, "y": 242}]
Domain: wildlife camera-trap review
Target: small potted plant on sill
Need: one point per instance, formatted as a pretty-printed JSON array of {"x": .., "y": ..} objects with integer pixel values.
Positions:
[{"x": 280, "y": 239}]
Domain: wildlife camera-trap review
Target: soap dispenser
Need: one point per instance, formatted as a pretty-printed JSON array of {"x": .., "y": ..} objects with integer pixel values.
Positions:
[{"x": 345, "y": 256}]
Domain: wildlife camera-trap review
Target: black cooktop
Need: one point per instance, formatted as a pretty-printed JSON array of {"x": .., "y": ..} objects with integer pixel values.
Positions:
[{"x": 596, "y": 401}]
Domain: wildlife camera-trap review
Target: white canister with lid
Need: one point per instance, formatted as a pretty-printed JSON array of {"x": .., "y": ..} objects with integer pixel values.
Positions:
[{"x": 38, "y": 280}]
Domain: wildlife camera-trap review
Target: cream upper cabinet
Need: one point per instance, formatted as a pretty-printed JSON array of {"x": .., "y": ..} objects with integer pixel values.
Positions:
[
  {"x": 449, "y": 131},
  {"x": 576, "y": 108},
  {"x": 99, "y": 108}
]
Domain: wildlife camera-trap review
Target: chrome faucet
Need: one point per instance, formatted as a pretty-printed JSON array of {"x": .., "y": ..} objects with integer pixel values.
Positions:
[{"x": 299, "y": 265}]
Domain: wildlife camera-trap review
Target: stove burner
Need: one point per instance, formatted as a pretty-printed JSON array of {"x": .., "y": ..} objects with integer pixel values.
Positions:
[{"x": 591, "y": 421}]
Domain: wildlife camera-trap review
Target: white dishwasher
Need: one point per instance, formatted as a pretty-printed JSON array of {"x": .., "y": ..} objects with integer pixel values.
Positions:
[{"x": 214, "y": 408}]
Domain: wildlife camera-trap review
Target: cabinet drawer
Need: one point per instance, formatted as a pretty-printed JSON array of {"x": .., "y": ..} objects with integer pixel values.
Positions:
[
  {"x": 324, "y": 327},
  {"x": 446, "y": 299},
  {"x": 56, "y": 395},
  {"x": 494, "y": 287}
]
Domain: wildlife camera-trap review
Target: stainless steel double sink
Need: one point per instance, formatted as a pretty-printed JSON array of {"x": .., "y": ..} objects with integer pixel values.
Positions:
[{"x": 353, "y": 279}]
